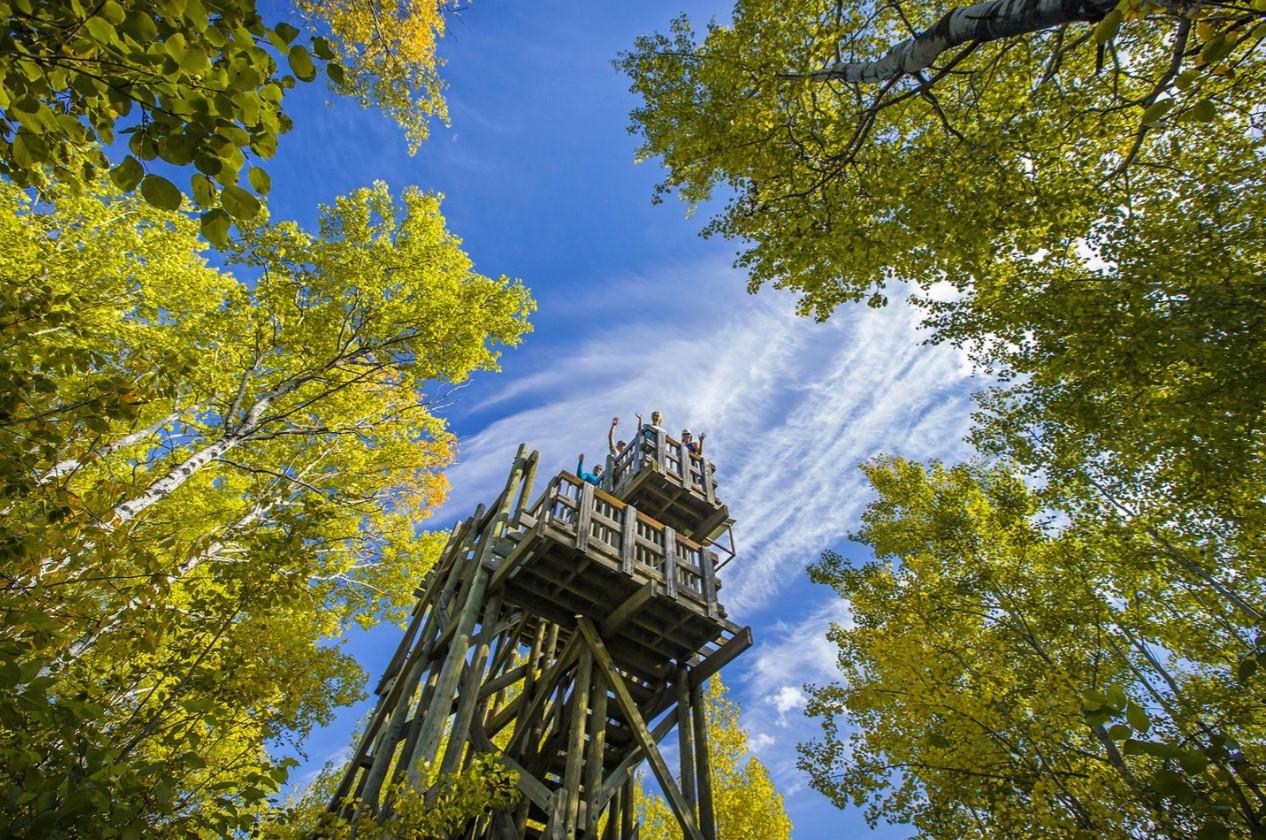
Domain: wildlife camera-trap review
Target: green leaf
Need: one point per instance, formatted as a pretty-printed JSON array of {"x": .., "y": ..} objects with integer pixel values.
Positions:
[
  {"x": 1119, "y": 732},
  {"x": 1108, "y": 27},
  {"x": 259, "y": 180},
  {"x": 1246, "y": 669},
  {"x": 322, "y": 48},
  {"x": 127, "y": 174},
  {"x": 112, "y": 12},
  {"x": 1202, "y": 111},
  {"x": 239, "y": 203},
  {"x": 176, "y": 46},
  {"x": 1137, "y": 717},
  {"x": 1216, "y": 50},
  {"x": 335, "y": 72},
  {"x": 161, "y": 193},
  {"x": 287, "y": 32},
  {"x": 301, "y": 63},
  {"x": 177, "y": 149},
  {"x": 1116, "y": 695},
  {"x": 204, "y": 192},
  {"x": 215, "y": 227},
  {"x": 29, "y": 149},
  {"x": 1157, "y": 110},
  {"x": 101, "y": 30}
]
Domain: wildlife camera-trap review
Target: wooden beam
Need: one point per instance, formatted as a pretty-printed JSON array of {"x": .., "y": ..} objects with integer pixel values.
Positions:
[
  {"x": 625, "y": 611},
  {"x": 634, "y": 718},
  {"x": 721, "y": 657},
  {"x": 670, "y": 563}
]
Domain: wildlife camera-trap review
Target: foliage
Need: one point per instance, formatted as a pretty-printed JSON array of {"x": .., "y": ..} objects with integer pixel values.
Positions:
[
  {"x": 204, "y": 482},
  {"x": 471, "y": 794},
  {"x": 194, "y": 83},
  {"x": 1000, "y": 151},
  {"x": 1006, "y": 673},
  {"x": 744, "y": 798}
]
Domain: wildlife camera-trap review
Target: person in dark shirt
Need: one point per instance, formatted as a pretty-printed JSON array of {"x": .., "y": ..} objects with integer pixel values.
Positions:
[{"x": 594, "y": 478}]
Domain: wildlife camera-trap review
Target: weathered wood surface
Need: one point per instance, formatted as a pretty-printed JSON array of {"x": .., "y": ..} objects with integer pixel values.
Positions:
[{"x": 567, "y": 635}]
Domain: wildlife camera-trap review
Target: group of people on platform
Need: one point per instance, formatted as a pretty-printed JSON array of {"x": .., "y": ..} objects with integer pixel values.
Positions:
[{"x": 645, "y": 431}]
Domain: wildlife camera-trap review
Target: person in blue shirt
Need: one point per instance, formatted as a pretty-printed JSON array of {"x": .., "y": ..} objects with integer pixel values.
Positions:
[{"x": 594, "y": 478}]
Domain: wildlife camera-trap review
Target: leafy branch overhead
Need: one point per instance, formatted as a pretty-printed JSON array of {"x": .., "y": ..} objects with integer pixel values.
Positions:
[{"x": 195, "y": 84}]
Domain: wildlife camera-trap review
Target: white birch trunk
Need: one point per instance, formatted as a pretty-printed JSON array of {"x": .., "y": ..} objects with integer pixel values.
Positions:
[
  {"x": 71, "y": 464},
  {"x": 988, "y": 21}
]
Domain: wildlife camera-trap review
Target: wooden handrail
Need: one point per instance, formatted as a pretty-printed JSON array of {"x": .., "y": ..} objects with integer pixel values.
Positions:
[{"x": 599, "y": 493}]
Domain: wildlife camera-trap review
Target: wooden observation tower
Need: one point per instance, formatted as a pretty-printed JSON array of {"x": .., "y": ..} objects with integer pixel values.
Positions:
[{"x": 567, "y": 636}]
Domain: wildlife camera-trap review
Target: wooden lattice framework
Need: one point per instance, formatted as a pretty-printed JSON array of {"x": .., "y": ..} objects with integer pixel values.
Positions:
[{"x": 568, "y": 637}]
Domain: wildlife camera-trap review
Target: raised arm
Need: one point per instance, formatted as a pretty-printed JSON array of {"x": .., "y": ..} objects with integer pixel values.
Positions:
[{"x": 615, "y": 421}]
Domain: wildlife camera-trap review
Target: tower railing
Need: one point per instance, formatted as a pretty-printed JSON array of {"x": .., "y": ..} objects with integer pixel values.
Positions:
[
  {"x": 655, "y": 449},
  {"x": 597, "y": 521}
]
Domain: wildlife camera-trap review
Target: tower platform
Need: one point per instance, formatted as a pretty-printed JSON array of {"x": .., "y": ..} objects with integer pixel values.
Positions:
[{"x": 567, "y": 636}]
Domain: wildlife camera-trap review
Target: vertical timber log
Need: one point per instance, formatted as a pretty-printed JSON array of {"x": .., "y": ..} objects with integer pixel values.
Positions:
[
  {"x": 576, "y": 741},
  {"x": 685, "y": 736},
  {"x": 670, "y": 562},
  {"x": 438, "y": 711},
  {"x": 628, "y": 540},
  {"x": 703, "y": 761},
  {"x": 468, "y": 697},
  {"x": 596, "y": 751}
]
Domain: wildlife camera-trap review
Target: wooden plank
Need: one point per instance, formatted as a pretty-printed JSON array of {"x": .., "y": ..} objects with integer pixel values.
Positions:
[
  {"x": 661, "y": 450},
  {"x": 634, "y": 717},
  {"x": 669, "y": 569},
  {"x": 582, "y": 518},
  {"x": 703, "y": 764},
  {"x": 628, "y": 540},
  {"x": 625, "y": 611}
]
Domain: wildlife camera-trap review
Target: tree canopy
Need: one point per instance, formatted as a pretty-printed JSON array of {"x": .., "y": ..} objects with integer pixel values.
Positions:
[
  {"x": 196, "y": 84},
  {"x": 1005, "y": 674},
  {"x": 205, "y": 481}
]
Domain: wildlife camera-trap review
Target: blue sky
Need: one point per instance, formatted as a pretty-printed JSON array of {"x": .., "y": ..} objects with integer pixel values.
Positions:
[{"x": 638, "y": 313}]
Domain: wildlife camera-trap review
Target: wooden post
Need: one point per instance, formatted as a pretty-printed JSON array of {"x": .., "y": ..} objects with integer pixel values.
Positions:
[
  {"x": 708, "y": 567},
  {"x": 661, "y": 450},
  {"x": 628, "y": 540},
  {"x": 685, "y": 736},
  {"x": 626, "y": 810},
  {"x": 576, "y": 741},
  {"x": 584, "y": 510},
  {"x": 468, "y": 697},
  {"x": 670, "y": 562},
  {"x": 596, "y": 751},
  {"x": 703, "y": 763}
]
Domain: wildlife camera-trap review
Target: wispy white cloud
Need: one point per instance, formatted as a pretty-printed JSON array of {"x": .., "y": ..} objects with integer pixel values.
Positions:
[{"x": 791, "y": 408}]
